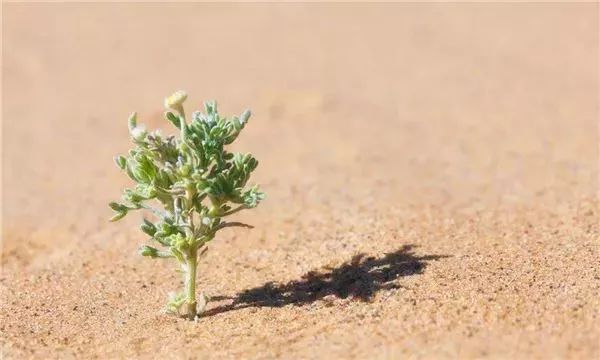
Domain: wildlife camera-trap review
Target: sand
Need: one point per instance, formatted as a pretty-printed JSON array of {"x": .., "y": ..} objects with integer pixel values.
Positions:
[{"x": 431, "y": 171}]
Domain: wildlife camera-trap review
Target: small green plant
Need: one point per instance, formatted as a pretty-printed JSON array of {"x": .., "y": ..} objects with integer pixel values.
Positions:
[{"x": 189, "y": 183}]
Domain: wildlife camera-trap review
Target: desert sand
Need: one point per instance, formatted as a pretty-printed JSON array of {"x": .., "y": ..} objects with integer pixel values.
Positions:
[{"x": 431, "y": 172}]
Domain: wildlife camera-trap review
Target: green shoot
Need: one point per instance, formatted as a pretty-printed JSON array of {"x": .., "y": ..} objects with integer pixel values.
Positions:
[{"x": 188, "y": 183}]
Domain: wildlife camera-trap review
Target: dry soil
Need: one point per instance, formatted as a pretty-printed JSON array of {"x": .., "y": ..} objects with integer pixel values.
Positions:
[{"x": 431, "y": 171}]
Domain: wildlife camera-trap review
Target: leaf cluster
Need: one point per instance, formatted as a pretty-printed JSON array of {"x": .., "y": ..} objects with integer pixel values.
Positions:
[{"x": 192, "y": 178}]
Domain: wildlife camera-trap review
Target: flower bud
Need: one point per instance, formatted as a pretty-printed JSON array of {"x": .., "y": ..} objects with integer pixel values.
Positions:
[{"x": 176, "y": 100}]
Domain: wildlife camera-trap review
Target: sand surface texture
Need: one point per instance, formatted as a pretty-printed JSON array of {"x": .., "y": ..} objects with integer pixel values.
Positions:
[{"x": 431, "y": 170}]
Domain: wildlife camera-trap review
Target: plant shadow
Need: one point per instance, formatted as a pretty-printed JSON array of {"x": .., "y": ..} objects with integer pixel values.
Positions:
[{"x": 360, "y": 278}]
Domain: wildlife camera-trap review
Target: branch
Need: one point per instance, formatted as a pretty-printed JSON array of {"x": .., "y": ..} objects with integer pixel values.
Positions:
[
  {"x": 231, "y": 224},
  {"x": 164, "y": 255},
  {"x": 239, "y": 208},
  {"x": 202, "y": 252}
]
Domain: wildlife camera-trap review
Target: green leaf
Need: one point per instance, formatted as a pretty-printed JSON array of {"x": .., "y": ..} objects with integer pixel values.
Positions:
[
  {"x": 176, "y": 301},
  {"x": 121, "y": 161},
  {"x": 146, "y": 250},
  {"x": 117, "y": 207},
  {"x": 148, "y": 228},
  {"x": 178, "y": 255},
  {"x": 129, "y": 171},
  {"x": 210, "y": 107},
  {"x": 173, "y": 119},
  {"x": 132, "y": 197},
  {"x": 146, "y": 166},
  {"x": 252, "y": 197},
  {"x": 145, "y": 191},
  {"x": 118, "y": 216},
  {"x": 132, "y": 122}
]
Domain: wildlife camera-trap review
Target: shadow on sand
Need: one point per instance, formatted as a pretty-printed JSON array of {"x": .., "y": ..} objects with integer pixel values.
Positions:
[{"x": 359, "y": 278}]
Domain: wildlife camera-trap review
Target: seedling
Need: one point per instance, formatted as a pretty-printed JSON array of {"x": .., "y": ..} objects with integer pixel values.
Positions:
[{"x": 189, "y": 183}]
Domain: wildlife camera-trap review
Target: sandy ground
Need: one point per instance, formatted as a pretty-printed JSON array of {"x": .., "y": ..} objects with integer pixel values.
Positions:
[{"x": 431, "y": 170}]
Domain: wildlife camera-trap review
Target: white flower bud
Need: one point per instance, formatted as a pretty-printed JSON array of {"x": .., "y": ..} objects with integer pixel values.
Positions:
[{"x": 176, "y": 100}]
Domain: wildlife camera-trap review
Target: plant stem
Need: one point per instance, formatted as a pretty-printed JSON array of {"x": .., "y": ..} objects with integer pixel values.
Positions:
[
  {"x": 233, "y": 211},
  {"x": 192, "y": 263}
]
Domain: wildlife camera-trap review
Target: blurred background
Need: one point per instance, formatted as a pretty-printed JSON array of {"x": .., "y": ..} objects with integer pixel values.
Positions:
[
  {"x": 452, "y": 97},
  {"x": 450, "y": 126}
]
